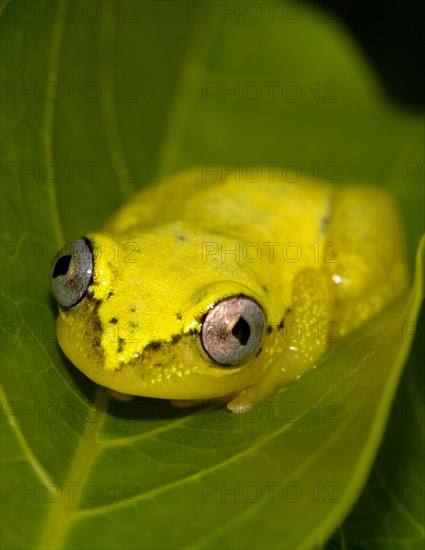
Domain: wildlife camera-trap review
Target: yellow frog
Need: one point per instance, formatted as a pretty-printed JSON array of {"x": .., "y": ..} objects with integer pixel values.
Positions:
[{"x": 222, "y": 291}]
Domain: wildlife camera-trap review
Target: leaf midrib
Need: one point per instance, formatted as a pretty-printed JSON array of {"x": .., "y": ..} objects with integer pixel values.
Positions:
[{"x": 62, "y": 512}]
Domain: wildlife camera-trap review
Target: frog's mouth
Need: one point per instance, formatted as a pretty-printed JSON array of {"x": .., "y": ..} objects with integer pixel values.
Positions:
[{"x": 167, "y": 370}]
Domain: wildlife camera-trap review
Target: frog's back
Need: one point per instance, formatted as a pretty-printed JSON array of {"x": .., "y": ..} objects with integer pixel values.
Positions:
[{"x": 245, "y": 210}]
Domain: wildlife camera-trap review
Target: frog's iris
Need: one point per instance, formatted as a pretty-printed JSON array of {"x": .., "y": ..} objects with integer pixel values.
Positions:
[
  {"x": 71, "y": 272},
  {"x": 233, "y": 330}
]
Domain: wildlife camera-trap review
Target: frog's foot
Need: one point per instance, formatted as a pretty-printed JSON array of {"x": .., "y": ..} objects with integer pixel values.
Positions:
[
  {"x": 118, "y": 396},
  {"x": 246, "y": 400}
]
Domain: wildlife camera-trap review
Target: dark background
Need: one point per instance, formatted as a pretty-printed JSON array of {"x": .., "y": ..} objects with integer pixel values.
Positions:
[{"x": 392, "y": 36}]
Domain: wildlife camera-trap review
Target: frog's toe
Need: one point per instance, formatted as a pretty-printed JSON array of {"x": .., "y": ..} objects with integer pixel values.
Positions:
[
  {"x": 118, "y": 396},
  {"x": 241, "y": 404}
]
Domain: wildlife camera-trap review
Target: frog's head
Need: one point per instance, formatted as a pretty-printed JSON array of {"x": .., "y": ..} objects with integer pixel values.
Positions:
[{"x": 152, "y": 318}]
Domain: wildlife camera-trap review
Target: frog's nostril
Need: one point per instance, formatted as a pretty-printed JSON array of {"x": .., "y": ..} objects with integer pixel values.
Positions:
[{"x": 62, "y": 266}]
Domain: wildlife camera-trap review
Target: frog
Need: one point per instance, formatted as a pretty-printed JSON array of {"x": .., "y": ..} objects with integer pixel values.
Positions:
[{"x": 200, "y": 290}]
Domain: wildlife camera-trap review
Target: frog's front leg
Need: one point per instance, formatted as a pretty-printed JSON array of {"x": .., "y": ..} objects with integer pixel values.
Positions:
[{"x": 295, "y": 348}]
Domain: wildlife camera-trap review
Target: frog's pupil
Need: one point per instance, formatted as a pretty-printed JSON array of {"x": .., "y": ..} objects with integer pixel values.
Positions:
[
  {"x": 62, "y": 266},
  {"x": 241, "y": 331}
]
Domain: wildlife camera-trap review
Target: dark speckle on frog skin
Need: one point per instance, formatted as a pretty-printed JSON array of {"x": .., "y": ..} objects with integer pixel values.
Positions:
[
  {"x": 269, "y": 329},
  {"x": 113, "y": 321},
  {"x": 176, "y": 338},
  {"x": 96, "y": 342},
  {"x": 264, "y": 288},
  {"x": 153, "y": 346},
  {"x": 110, "y": 295},
  {"x": 121, "y": 344},
  {"x": 281, "y": 324},
  {"x": 181, "y": 237},
  {"x": 133, "y": 310},
  {"x": 96, "y": 327},
  {"x": 179, "y": 316}
]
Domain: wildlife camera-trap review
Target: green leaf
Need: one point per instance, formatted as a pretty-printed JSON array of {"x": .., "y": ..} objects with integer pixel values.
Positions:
[
  {"x": 390, "y": 511},
  {"x": 102, "y": 101}
]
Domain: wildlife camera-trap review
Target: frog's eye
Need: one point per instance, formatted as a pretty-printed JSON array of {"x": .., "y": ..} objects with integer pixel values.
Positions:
[
  {"x": 71, "y": 273},
  {"x": 232, "y": 330}
]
